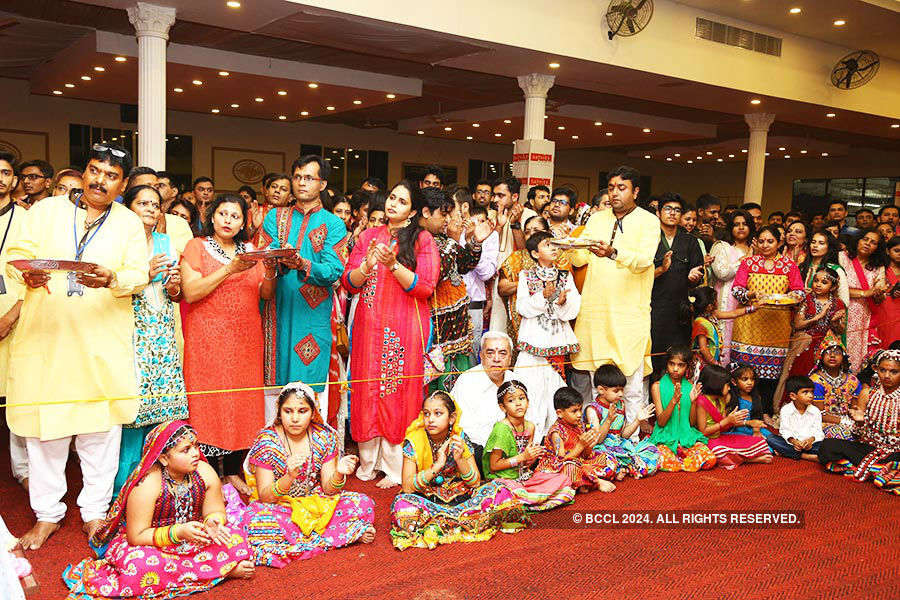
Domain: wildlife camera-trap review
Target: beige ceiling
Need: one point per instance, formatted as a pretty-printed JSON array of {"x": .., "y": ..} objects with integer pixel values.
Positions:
[{"x": 872, "y": 25}]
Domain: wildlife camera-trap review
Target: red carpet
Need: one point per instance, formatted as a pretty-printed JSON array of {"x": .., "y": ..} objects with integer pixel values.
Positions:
[{"x": 848, "y": 547}]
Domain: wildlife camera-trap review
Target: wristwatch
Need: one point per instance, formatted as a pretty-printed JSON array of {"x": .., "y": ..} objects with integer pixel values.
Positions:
[
  {"x": 613, "y": 254},
  {"x": 395, "y": 266},
  {"x": 515, "y": 225}
]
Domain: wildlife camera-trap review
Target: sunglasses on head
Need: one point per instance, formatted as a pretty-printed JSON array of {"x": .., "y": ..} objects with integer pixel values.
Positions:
[{"x": 113, "y": 151}]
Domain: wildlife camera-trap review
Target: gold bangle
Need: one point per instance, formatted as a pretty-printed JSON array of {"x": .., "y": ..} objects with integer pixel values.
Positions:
[
  {"x": 161, "y": 537},
  {"x": 218, "y": 517}
]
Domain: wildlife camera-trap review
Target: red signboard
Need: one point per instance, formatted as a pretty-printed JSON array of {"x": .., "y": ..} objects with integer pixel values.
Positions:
[
  {"x": 539, "y": 181},
  {"x": 518, "y": 157},
  {"x": 541, "y": 157}
]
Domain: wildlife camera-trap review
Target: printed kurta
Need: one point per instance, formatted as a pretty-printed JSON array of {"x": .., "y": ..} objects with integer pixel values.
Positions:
[
  {"x": 861, "y": 340},
  {"x": 223, "y": 350},
  {"x": 11, "y": 219},
  {"x": 390, "y": 328},
  {"x": 835, "y": 396},
  {"x": 613, "y": 325},
  {"x": 450, "y": 303},
  {"x": 726, "y": 260},
  {"x": 75, "y": 347},
  {"x": 516, "y": 263},
  {"x": 303, "y": 298},
  {"x": 761, "y": 339}
]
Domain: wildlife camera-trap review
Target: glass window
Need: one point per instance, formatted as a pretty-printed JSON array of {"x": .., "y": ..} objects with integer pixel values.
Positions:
[{"x": 809, "y": 195}]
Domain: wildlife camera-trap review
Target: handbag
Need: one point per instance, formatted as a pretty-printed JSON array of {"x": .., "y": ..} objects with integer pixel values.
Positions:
[
  {"x": 342, "y": 339},
  {"x": 432, "y": 361}
]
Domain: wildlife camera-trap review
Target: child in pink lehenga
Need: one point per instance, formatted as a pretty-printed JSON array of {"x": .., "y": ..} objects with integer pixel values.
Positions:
[{"x": 717, "y": 413}]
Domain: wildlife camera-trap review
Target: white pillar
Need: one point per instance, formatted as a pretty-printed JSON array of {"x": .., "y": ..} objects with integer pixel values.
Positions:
[
  {"x": 756, "y": 155},
  {"x": 151, "y": 24},
  {"x": 533, "y": 155},
  {"x": 535, "y": 87}
]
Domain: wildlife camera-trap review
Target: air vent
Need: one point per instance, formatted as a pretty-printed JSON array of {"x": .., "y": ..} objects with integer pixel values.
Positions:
[{"x": 735, "y": 36}]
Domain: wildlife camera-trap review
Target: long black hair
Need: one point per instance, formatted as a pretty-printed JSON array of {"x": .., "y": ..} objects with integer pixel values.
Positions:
[
  {"x": 756, "y": 408},
  {"x": 729, "y": 225},
  {"x": 409, "y": 234},
  {"x": 194, "y": 221},
  {"x": 878, "y": 258},
  {"x": 831, "y": 255},
  {"x": 208, "y": 227}
]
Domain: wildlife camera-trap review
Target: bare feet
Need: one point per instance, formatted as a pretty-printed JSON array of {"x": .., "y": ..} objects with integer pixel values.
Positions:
[
  {"x": 762, "y": 459},
  {"x": 91, "y": 527},
  {"x": 583, "y": 489},
  {"x": 621, "y": 475},
  {"x": 38, "y": 534},
  {"x": 369, "y": 536},
  {"x": 386, "y": 483},
  {"x": 24, "y": 483},
  {"x": 238, "y": 484},
  {"x": 244, "y": 570},
  {"x": 812, "y": 457},
  {"x": 606, "y": 486}
]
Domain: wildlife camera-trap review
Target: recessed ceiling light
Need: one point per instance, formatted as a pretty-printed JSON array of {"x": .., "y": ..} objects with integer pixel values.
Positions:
[
  {"x": 390, "y": 96},
  {"x": 468, "y": 137},
  {"x": 448, "y": 129},
  {"x": 561, "y": 127},
  {"x": 824, "y": 154},
  {"x": 235, "y": 105},
  {"x": 258, "y": 99},
  {"x": 895, "y": 126},
  {"x": 85, "y": 78},
  {"x": 646, "y": 130},
  {"x": 215, "y": 111},
  {"x": 796, "y": 10},
  {"x": 709, "y": 153},
  {"x": 699, "y": 158},
  {"x": 744, "y": 150},
  {"x": 100, "y": 69},
  {"x": 731, "y": 156},
  {"x": 177, "y": 90},
  {"x": 476, "y": 124},
  {"x": 669, "y": 159},
  {"x": 507, "y": 121},
  {"x": 497, "y": 135},
  {"x": 781, "y": 148},
  {"x": 282, "y": 117},
  {"x": 839, "y": 22},
  {"x": 357, "y": 102},
  {"x": 304, "y": 113},
  {"x": 282, "y": 93},
  {"x": 120, "y": 59},
  {"x": 57, "y": 92},
  {"x": 767, "y": 154},
  {"x": 720, "y": 159},
  {"x": 70, "y": 85},
  {"x": 690, "y": 162},
  {"x": 787, "y": 155},
  {"x": 197, "y": 82},
  {"x": 554, "y": 65},
  {"x": 546, "y": 117},
  {"x": 233, "y": 4},
  {"x": 646, "y": 156},
  {"x": 609, "y": 134},
  {"x": 224, "y": 73},
  {"x": 755, "y": 101},
  {"x": 313, "y": 85},
  {"x": 677, "y": 155},
  {"x": 598, "y": 123},
  {"x": 420, "y": 132},
  {"x": 830, "y": 115},
  {"x": 574, "y": 137},
  {"x": 803, "y": 152}
]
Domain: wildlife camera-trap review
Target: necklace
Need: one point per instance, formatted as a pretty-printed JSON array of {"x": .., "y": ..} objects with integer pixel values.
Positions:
[
  {"x": 181, "y": 492},
  {"x": 435, "y": 447},
  {"x": 546, "y": 273},
  {"x": 305, "y": 483},
  {"x": 214, "y": 245},
  {"x": 514, "y": 427}
]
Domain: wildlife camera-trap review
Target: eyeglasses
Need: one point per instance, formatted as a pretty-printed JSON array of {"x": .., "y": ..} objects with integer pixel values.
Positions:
[
  {"x": 115, "y": 152},
  {"x": 306, "y": 178},
  {"x": 559, "y": 201},
  {"x": 671, "y": 209},
  {"x": 33, "y": 176}
]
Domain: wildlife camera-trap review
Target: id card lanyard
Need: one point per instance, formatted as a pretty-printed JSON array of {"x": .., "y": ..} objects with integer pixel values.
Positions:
[
  {"x": 74, "y": 287},
  {"x": 12, "y": 213}
]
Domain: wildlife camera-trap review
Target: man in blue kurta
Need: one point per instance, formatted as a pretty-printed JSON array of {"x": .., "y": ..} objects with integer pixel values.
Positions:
[{"x": 303, "y": 297}]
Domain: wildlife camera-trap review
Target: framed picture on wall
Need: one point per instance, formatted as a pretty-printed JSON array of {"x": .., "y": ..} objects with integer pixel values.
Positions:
[
  {"x": 234, "y": 167},
  {"x": 25, "y": 145},
  {"x": 416, "y": 172}
]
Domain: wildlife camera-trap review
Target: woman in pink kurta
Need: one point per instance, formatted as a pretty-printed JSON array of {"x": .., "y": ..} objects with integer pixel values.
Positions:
[
  {"x": 391, "y": 325},
  {"x": 864, "y": 264}
]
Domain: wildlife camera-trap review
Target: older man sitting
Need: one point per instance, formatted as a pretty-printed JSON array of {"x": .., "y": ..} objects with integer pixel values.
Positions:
[{"x": 475, "y": 392}]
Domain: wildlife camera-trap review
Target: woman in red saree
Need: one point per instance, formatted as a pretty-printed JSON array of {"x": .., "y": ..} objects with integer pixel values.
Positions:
[
  {"x": 889, "y": 319},
  {"x": 731, "y": 449},
  {"x": 394, "y": 269},
  {"x": 864, "y": 264},
  {"x": 165, "y": 534}
]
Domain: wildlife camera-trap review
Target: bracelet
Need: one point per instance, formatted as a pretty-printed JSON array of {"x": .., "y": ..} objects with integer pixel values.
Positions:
[
  {"x": 514, "y": 461},
  {"x": 468, "y": 476},
  {"x": 276, "y": 491},
  {"x": 750, "y": 309},
  {"x": 218, "y": 517},
  {"x": 161, "y": 537},
  {"x": 340, "y": 485},
  {"x": 172, "y": 537},
  {"x": 363, "y": 271},
  {"x": 515, "y": 225},
  {"x": 273, "y": 278}
]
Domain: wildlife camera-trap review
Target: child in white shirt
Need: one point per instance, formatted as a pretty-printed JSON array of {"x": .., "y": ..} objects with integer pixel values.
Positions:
[{"x": 800, "y": 430}]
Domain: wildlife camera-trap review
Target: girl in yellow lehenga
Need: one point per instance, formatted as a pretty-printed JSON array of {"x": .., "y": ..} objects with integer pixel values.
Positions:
[{"x": 443, "y": 499}]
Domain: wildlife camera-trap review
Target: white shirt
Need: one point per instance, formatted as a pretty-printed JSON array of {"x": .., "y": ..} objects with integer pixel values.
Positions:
[
  {"x": 476, "y": 396},
  {"x": 485, "y": 269},
  {"x": 801, "y": 426}
]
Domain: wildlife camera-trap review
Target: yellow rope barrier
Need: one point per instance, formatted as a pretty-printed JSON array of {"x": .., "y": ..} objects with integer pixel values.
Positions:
[{"x": 343, "y": 383}]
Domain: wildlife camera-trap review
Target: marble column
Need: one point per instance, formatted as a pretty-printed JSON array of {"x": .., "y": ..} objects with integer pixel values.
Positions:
[
  {"x": 759, "y": 124},
  {"x": 533, "y": 155}
]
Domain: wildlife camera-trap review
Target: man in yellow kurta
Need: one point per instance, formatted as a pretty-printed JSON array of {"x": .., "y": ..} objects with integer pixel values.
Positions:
[
  {"x": 11, "y": 293},
  {"x": 74, "y": 341},
  {"x": 613, "y": 325}
]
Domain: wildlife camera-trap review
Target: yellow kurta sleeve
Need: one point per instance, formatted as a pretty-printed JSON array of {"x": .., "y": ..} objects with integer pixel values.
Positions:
[
  {"x": 21, "y": 247},
  {"x": 640, "y": 258},
  {"x": 179, "y": 231},
  {"x": 133, "y": 269}
]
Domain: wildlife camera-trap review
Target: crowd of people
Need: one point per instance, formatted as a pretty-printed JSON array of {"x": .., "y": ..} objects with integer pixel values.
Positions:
[{"x": 490, "y": 354}]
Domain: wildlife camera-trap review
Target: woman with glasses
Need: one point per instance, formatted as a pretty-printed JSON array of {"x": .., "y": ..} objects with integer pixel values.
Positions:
[{"x": 65, "y": 182}]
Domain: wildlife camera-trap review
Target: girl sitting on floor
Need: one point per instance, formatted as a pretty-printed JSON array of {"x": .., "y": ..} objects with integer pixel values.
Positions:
[
  {"x": 713, "y": 403},
  {"x": 836, "y": 390},
  {"x": 510, "y": 453},
  {"x": 443, "y": 500},
  {"x": 607, "y": 415},
  {"x": 681, "y": 447},
  {"x": 876, "y": 453},
  {"x": 743, "y": 387},
  {"x": 296, "y": 476},
  {"x": 571, "y": 448},
  {"x": 706, "y": 331},
  {"x": 165, "y": 534}
]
